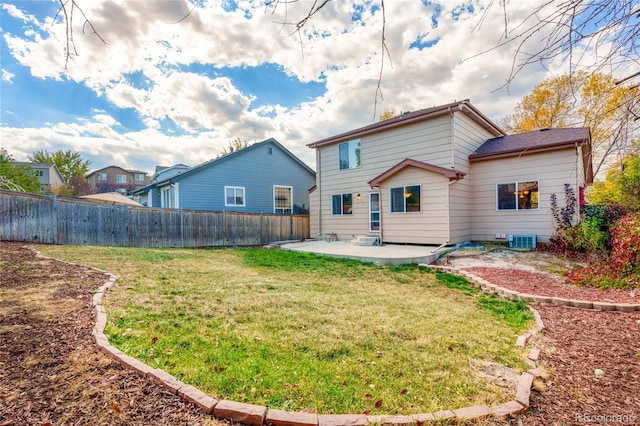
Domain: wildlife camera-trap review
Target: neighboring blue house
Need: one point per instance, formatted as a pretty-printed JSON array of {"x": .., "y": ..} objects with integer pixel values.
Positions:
[{"x": 262, "y": 178}]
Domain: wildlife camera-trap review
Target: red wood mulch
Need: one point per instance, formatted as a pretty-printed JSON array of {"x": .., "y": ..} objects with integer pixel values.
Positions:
[
  {"x": 574, "y": 344},
  {"x": 546, "y": 284}
]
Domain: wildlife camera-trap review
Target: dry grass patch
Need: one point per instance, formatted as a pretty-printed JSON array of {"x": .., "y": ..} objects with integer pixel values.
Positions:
[{"x": 301, "y": 332}]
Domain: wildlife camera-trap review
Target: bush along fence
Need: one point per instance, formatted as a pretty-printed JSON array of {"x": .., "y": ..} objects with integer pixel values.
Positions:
[{"x": 46, "y": 219}]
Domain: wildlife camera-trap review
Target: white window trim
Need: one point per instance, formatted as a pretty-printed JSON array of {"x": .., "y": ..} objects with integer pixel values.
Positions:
[
  {"x": 274, "y": 197},
  {"x": 517, "y": 209},
  {"x": 347, "y": 143},
  {"x": 374, "y": 211},
  {"x": 121, "y": 176},
  {"x": 174, "y": 187},
  {"x": 244, "y": 196},
  {"x": 102, "y": 176}
]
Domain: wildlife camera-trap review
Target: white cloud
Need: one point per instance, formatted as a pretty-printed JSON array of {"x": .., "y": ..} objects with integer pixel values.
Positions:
[
  {"x": 7, "y": 76},
  {"x": 143, "y": 37}
]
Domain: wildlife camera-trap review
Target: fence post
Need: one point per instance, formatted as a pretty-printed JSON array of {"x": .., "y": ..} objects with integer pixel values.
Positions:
[
  {"x": 224, "y": 230},
  {"x": 181, "y": 227},
  {"x": 291, "y": 227},
  {"x": 54, "y": 218},
  {"x": 261, "y": 228}
]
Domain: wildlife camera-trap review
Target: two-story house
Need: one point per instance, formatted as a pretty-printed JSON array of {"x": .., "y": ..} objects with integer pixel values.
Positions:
[
  {"x": 117, "y": 179},
  {"x": 444, "y": 175},
  {"x": 49, "y": 175}
]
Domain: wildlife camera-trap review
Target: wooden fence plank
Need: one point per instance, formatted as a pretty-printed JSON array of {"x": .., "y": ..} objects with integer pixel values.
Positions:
[{"x": 39, "y": 218}]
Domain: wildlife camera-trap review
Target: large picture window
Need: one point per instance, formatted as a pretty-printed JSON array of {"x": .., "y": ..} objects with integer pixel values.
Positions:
[
  {"x": 234, "y": 196},
  {"x": 517, "y": 196},
  {"x": 342, "y": 204},
  {"x": 282, "y": 200},
  {"x": 350, "y": 154},
  {"x": 405, "y": 199}
]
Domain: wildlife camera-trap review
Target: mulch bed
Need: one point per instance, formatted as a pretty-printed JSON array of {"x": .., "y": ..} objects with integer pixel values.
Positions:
[
  {"x": 51, "y": 372},
  {"x": 545, "y": 284},
  {"x": 575, "y": 344}
]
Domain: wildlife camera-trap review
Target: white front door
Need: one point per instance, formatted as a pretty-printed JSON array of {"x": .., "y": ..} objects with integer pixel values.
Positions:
[{"x": 374, "y": 212}]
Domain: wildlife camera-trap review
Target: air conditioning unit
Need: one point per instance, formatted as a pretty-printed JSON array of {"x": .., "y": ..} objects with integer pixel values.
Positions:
[{"x": 522, "y": 241}]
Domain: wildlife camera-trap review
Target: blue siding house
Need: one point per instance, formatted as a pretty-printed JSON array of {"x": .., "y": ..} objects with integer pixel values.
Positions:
[{"x": 262, "y": 178}]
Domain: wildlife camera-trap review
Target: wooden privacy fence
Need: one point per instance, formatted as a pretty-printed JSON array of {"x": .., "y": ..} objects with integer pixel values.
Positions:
[{"x": 39, "y": 218}]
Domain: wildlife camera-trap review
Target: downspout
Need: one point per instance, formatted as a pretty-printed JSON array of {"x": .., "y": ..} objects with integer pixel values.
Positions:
[
  {"x": 439, "y": 247},
  {"x": 380, "y": 211},
  {"x": 319, "y": 189},
  {"x": 578, "y": 158},
  {"x": 453, "y": 167},
  {"x": 453, "y": 151}
]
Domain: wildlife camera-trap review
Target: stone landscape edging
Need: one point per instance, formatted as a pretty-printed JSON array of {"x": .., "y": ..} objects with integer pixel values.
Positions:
[{"x": 256, "y": 415}]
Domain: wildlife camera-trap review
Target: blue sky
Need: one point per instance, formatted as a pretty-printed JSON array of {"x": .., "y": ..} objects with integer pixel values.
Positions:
[{"x": 160, "y": 92}]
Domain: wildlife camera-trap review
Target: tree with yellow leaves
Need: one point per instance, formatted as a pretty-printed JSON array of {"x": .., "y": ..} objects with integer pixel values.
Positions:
[{"x": 582, "y": 100}]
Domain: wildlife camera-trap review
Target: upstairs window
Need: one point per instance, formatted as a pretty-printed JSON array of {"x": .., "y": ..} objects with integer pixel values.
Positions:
[
  {"x": 350, "y": 154},
  {"x": 234, "y": 196},
  {"x": 405, "y": 199},
  {"x": 102, "y": 176},
  {"x": 121, "y": 178},
  {"x": 517, "y": 196},
  {"x": 139, "y": 176},
  {"x": 342, "y": 204}
]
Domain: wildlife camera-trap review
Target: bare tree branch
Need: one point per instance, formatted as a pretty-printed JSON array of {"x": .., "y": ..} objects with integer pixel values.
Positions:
[
  {"x": 384, "y": 50},
  {"x": 595, "y": 34},
  {"x": 68, "y": 9},
  {"x": 311, "y": 12}
]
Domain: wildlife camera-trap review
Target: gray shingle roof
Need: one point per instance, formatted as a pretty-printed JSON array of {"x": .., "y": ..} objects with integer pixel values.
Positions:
[{"x": 529, "y": 142}]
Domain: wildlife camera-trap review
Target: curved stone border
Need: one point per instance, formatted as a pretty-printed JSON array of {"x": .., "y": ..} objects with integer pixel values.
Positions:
[
  {"x": 256, "y": 415},
  {"x": 543, "y": 300}
]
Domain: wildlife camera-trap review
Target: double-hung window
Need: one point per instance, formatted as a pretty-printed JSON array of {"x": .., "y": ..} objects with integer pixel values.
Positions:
[
  {"x": 349, "y": 154},
  {"x": 405, "y": 199},
  {"x": 121, "y": 178},
  {"x": 234, "y": 196},
  {"x": 168, "y": 196},
  {"x": 282, "y": 199},
  {"x": 517, "y": 196},
  {"x": 342, "y": 204},
  {"x": 102, "y": 176}
]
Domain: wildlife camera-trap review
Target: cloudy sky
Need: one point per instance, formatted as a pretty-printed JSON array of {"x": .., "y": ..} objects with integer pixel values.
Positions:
[{"x": 172, "y": 86}]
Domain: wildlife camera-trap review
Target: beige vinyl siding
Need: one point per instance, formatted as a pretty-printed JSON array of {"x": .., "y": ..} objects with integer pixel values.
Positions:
[
  {"x": 468, "y": 136},
  {"x": 551, "y": 169},
  {"x": 426, "y": 141},
  {"x": 428, "y": 226},
  {"x": 314, "y": 216}
]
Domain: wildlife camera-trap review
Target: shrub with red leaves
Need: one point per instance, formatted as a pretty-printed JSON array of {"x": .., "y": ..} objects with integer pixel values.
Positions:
[{"x": 622, "y": 268}]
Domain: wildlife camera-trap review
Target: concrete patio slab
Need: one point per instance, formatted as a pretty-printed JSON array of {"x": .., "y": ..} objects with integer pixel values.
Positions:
[{"x": 386, "y": 254}]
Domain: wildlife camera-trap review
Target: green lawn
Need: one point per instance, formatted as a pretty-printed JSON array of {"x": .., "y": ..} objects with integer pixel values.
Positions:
[{"x": 302, "y": 332}]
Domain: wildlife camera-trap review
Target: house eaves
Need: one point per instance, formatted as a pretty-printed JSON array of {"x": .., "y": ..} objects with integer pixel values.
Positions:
[
  {"x": 408, "y": 162},
  {"x": 413, "y": 117}
]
